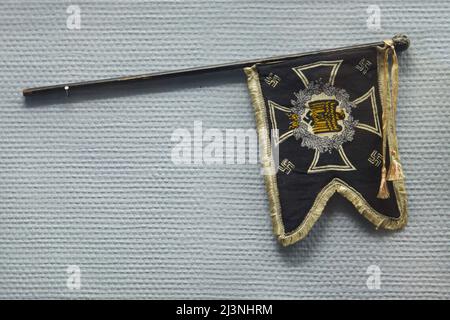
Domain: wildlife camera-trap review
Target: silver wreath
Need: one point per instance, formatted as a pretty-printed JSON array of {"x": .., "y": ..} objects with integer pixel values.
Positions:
[{"x": 312, "y": 141}]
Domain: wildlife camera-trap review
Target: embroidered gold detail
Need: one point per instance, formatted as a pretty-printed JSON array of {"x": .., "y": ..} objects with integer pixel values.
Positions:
[
  {"x": 295, "y": 122},
  {"x": 333, "y": 64},
  {"x": 325, "y": 116}
]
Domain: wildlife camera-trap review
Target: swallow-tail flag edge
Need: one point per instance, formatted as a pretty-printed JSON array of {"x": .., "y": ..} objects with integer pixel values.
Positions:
[{"x": 390, "y": 193}]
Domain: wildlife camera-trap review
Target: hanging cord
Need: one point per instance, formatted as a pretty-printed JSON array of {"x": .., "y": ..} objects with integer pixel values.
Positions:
[
  {"x": 395, "y": 171},
  {"x": 389, "y": 97}
]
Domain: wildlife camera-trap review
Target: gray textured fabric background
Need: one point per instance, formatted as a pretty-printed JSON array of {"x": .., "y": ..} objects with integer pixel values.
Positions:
[{"x": 88, "y": 181}]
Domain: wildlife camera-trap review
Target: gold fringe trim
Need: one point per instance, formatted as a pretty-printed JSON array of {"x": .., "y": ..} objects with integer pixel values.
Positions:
[
  {"x": 336, "y": 185},
  {"x": 267, "y": 162}
]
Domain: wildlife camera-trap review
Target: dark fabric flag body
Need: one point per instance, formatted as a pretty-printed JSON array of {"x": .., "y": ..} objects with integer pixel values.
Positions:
[{"x": 331, "y": 118}]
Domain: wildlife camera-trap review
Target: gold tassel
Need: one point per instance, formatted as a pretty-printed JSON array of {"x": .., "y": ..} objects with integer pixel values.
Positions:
[
  {"x": 395, "y": 171},
  {"x": 383, "y": 192}
]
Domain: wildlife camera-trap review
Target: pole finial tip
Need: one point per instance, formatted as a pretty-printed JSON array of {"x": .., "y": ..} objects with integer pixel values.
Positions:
[{"x": 401, "y": 42}]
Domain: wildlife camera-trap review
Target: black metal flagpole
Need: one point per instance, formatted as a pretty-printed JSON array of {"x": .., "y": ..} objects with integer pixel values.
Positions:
[{"x": 401, "y": 43}]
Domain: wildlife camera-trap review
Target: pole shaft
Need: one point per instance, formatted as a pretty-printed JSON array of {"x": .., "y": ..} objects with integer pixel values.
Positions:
[{"x": 66, "y": 87}]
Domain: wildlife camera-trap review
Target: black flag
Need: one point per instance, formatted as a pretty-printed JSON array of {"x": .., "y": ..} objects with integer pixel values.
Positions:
[{"x": 333, "y": 119}]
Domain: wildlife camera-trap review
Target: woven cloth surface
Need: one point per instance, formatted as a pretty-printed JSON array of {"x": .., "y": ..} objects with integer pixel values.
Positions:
[{"x": 89, "y": 181}]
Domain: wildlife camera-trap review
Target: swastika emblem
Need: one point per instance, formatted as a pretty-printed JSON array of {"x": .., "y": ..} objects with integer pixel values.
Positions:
[
  {"x": 286, "y": 166},
  {"x": 272, "y": 80},
  {"x": 363, "y": 66},
  {"x": 375, "y": 158}
]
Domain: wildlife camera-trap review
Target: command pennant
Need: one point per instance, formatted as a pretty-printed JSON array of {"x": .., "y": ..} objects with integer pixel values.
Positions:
[{"x": 334, "y": 118}]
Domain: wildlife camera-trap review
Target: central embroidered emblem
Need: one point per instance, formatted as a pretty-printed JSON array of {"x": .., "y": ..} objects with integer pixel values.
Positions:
[{"x": 320, "y": 117}]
